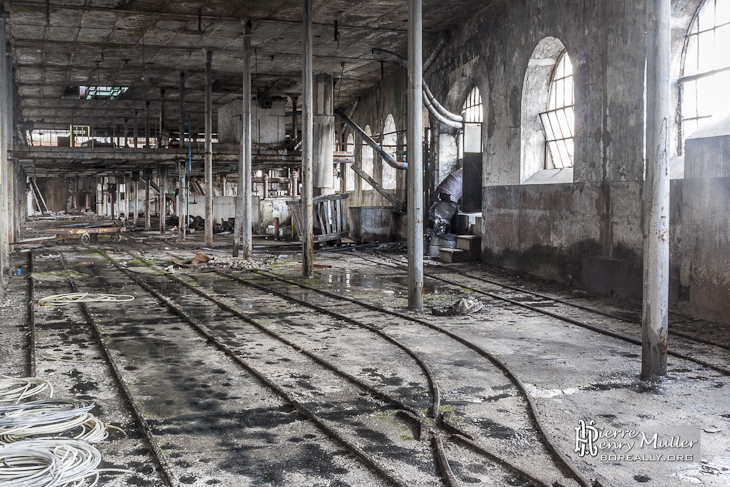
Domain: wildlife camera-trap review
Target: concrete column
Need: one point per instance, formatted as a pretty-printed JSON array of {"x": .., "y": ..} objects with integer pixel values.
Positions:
[
  {"x": 208, "y": 147},
  {"x": 182, "y": 201},
  {"x": 148, "y": 199},
  {"x": 323, "y": 134},
  {"x": 147, "y": 125},
  {"x": 14, "y": 229},
  {"x": 135, "y": 215},
  {"x": 415, "y": 155},
  {"x": 4, "y": 176},
  {"x": 181, "y": 129},
  {"x": 125, "y": 210},
  {"x": 162, "y": 171},
  {"x": 162, "y": 117},
  {"x": 243, "y": 234},
  {"x": 656, "y": 192},
  {"x": 125, "y": 133},
  {"x": 136, "y": 129},
  {"x": 117, "y": 197},
  {"x": 295, "y": 127},
  {"x": 99, "y": 197},
  {"x": 307, "y": 146}
]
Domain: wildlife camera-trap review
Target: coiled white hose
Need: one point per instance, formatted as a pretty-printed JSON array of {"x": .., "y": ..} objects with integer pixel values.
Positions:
[
  {"x": 15, "y": 389},
  {"x": 50, "y": 463},
  {"x": 44, "y": 418},
  {"x": 68, "y": 298}
]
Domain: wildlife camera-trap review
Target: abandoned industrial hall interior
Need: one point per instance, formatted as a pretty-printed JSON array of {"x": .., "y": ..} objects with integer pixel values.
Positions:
[{"x": 365, "y": 243}]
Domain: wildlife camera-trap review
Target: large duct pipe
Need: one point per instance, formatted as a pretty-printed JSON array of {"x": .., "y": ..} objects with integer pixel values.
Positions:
[
  {"x": 369, "y": 141},
  {"x": 436, "y": 51}
]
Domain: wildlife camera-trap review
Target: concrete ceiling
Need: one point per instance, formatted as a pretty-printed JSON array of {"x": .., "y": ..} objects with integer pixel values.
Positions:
[{"x": 145, "y": 44}]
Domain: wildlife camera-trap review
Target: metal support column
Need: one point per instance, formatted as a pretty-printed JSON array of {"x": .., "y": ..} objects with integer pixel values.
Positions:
[
  {"x": 118, "y": 197},
  {"x": 181, "y": 130},
  {"x": 136, "y": 129},
  {"x": 135, "y": 179},
  {"x": 125, "y": 210},
  {"x": 4, "y": 176},
  {"x": 148, "y": 199},
  {"x": 162, "y": 117},
  {"x": 307, "y": 146},
  {"x": 182, "y": 205},
  {"x": 656, "y": 192},
  {"x": 99, "y": 197},
  {"x": 243, "y": 230},
  {"x": 125, "y": 133},
  {"x": 162, "y": 171},
  {"x": 415, "y": 155},
  {"x": 147, "y": 125},
  {"x": 208, "y": 148}
]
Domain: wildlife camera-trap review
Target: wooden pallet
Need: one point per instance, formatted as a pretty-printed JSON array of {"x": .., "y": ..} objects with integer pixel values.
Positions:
[{"x": 330, "y": 217}]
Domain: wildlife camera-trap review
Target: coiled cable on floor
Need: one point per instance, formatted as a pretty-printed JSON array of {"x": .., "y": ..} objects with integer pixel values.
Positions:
[
  {"x": 69, "y": 298},
  {"x": 50, "y": 463},
  {"x": 44, "y": 418},
  {"x": 15, "y": 389}
]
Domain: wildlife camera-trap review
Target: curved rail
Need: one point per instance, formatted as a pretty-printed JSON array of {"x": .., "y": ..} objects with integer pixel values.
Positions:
[
  {"x": 582, "y": 324},
  {"x": 440, "y": 420}
]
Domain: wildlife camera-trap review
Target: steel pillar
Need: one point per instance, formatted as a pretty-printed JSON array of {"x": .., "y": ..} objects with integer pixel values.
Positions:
[
  {"x": 147, "y": 125},
  {"x": 243, "y": 234},
  {"x": 415, "y": 155},
  {"x": 148, "y": 199},
  {"x": 135, "y": 178},
  {"x": 99, "y": 197},
  {"x": 208, "y": 148},
  {"x": 5, "y": 223},
  {"x": 162, "y": 171},
  {"x": 135, "y": 129},
  {"x": 656, "y": 192},
  {"x": 182, "y": 203},
  {"x": 181, "y": 129},
  {"x": 125, "y": 210},
  {"x": 162, "y": 117},
  {"x": 323, "y": 133},
  {"x": 307, "y": 146}
]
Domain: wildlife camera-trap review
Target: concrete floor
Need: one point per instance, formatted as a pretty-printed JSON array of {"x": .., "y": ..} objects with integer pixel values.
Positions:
[{"x": 216, "y": 424}]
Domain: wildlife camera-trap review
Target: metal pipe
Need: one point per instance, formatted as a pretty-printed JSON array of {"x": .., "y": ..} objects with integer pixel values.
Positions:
[
  {"x": 656, "y": 191},
  {"x": 243, "y": 224},
  {"x": 4, "y": 187},
  {"x": 415, "y": 155},
  {"x": 307, "y": 145},
  {"x": 437, "y": 110},
  {"x": 208, "y": 148},
  {"x": 441, "y": 109},
  {"x": 369, "y": 141},
  {"x": 439, "y": 47}
]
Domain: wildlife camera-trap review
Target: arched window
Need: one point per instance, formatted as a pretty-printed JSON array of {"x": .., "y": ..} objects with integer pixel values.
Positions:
[
  {"x": 548, "y": 115},
  {"x": 349, "y": 173},
  {"x": 367, "y": 160},
  {"x": 706, "y": 71},
  {"x": 558, "y": 122},
  {"x": 390, "y": 142},
  {"x": 472, "y": 111}
]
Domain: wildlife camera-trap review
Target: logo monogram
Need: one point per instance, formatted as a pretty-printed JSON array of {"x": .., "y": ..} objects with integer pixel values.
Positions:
[{"x": 585, "y": 437}]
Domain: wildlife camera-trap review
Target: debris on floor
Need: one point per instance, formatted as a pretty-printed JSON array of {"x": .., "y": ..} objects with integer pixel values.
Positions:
[
  {"x": 462, "y": 307},
  {"x": 54, "y": 276}
]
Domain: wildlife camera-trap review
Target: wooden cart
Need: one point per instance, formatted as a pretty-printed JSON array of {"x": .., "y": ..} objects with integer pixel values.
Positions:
[{"x": 87, "y": 234}]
